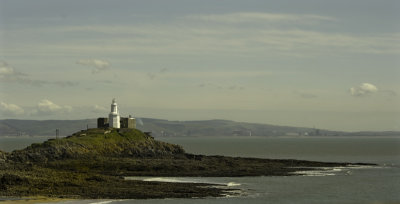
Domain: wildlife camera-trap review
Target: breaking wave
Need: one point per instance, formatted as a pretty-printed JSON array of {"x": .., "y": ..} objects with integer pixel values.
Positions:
[
  {"x": 182, "y": 180},
  {"x": 103, "y": 202},
  {"x": 230, "y": 184},
  {"x": 332, "y": 171}
]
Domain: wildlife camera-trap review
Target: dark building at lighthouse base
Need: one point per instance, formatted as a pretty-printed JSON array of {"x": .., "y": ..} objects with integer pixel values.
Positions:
[{"x": 125, "y": 123}]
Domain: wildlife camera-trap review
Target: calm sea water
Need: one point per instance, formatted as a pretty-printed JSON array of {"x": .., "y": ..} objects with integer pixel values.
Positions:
[{"x": 335, "y": 185}]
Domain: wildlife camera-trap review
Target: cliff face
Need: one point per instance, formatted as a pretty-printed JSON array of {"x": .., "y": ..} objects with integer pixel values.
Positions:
[{"x": 97, "y": 143}]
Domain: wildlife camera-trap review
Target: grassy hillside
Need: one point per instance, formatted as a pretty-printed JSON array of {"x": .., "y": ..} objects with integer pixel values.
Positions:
[{"x": 97, "y": 142}]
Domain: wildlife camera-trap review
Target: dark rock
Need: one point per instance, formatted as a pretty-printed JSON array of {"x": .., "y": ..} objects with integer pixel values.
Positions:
[
  {"x": 3, "y": 156},
  {"x": 10, "y": 180}
]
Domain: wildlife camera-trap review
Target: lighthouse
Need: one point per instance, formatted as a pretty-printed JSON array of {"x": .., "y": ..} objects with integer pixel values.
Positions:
[
  {"x": 115, "y": 121},
  {"x": 113, "y": 117}
]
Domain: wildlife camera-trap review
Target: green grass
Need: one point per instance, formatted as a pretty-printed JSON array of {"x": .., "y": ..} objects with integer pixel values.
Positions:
[
  {"x": 101, "y": 142},
  {"x": 98, "y": 138}
]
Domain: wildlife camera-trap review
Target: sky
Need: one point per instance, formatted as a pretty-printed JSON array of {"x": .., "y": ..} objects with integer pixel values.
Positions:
[{"x": 311, "y": 63}]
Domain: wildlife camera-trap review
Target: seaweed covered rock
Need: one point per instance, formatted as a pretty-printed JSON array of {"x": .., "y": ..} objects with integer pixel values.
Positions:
[{"x": 97, "y": 142}]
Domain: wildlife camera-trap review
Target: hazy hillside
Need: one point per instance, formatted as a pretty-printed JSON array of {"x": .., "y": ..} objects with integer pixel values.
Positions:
[
  {"x": 43, "y": 127},
  {"x": 160, "y": 128},
  {"x": 219, "y": 128}
]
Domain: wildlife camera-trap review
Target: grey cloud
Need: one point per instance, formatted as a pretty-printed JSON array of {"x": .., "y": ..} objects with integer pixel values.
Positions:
[
  {"x": 308, "y": 95},
  {"x": 390, "y": 93},
  {"x": 9, "y": 74},
  {"x": 230, "y": 87},
  {"x": 163, "y": 70},
  {"x": 105, "y": 81},
  {"x": 63, "y": 83},
  {"x": 152, "y": 75},
  {"x": 202, "y": 85},
  {"x": 305, "y": 95},
  {"x": 258, "y": 17},
  {"x": 234, "y": 87}
]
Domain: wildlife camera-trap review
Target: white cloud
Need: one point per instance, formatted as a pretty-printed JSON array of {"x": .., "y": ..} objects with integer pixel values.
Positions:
[
  {"x": 11, "y": 109},
  {"x": 363, "y": 89},
  {"x": 98, "y": 109},
  {"x": 5, "y": 69},
  {"x": 47, "y": 107},
  {"x": 98, "y": 65}
]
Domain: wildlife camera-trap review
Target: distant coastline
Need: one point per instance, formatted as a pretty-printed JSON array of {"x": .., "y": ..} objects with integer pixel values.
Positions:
[{"x": 165, "y": 128}]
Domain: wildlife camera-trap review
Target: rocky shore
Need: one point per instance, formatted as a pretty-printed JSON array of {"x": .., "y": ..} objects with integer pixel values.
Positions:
[{"x": 94, "y": 162}]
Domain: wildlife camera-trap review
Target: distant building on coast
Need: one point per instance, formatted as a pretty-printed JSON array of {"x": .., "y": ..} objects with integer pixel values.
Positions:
[{"x": 114, "y": 120}]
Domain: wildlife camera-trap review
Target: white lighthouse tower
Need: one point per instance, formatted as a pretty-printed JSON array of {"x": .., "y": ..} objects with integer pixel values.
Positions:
[{"x": 113, "y": 117}]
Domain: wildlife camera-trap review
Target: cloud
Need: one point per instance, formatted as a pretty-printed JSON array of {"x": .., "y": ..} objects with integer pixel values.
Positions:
[
  {"x": 63, "y": 83},
  {"x": 10, "y": 74},
  {"x": 98, "y": 65},
  {"x": 363, "y": 89},
  {"x": 307, "y": 95},
  {"x": 216, "y": 86},
  {"x": 235, "y": 87},
  {"x": 152, "y": 75},
  {"x": 11, "y": 109},
  {"x": 249, "y": 17},
  {"x": 389, "y": 93},
  {"x": 98, "y": 109},
  {"x": 47, "y": 107},
  {"x": 189, "y": 37},
  {"x": 163, "y": 70}
]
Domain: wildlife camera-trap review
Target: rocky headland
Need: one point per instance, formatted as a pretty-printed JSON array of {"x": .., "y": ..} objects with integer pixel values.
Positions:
[{"x": 93, "y": 163}]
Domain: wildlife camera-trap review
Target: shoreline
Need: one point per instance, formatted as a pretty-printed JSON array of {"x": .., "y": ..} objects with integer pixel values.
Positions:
[{"x": 93, "y": 164}]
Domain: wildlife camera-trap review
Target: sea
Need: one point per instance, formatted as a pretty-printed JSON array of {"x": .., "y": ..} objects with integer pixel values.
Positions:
[{"x": 352, "y": 185}]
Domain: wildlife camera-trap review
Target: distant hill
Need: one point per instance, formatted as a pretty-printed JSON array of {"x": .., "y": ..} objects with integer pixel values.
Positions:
[
  {"x": 222, "y": 128},
  {"x": 43, "y": 127},
  {"x": 166, "y": 128}
]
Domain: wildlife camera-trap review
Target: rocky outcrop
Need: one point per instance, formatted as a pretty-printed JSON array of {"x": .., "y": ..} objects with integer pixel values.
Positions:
[
  {"x": 3, "y": 156},
  {"x": 97, "y": 143}
]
